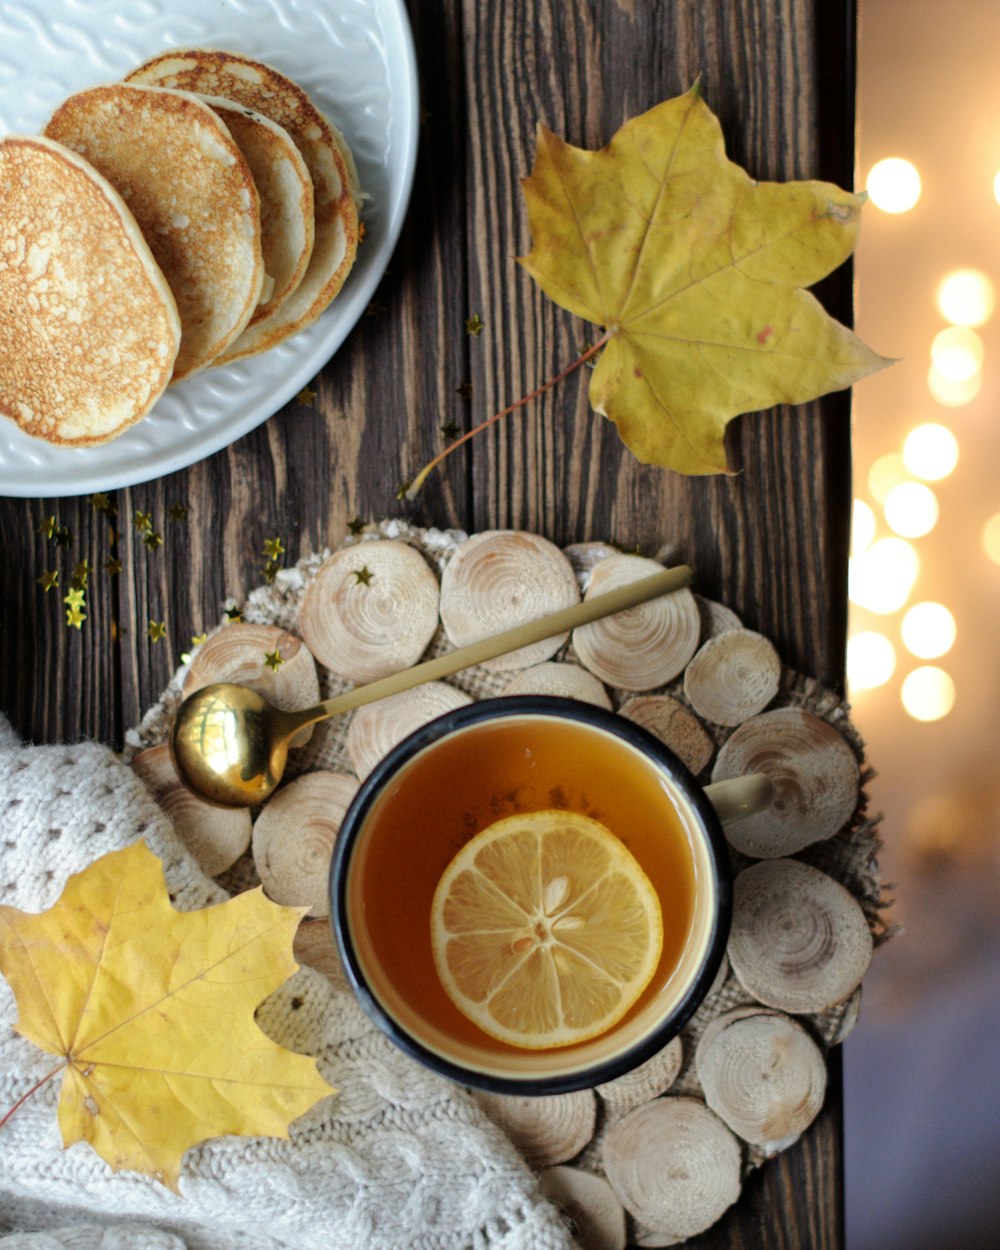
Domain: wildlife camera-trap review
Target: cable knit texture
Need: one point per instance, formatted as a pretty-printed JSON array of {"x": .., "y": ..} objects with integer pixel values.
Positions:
[{"x": 399, "y": 1158}]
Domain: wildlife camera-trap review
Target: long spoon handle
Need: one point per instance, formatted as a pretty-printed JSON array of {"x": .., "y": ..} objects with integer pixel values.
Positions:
[{"x": 610, "y": 602}]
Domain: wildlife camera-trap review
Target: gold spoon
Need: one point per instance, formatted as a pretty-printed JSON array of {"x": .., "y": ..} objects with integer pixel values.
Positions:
[{"x": 230, "y": 745}]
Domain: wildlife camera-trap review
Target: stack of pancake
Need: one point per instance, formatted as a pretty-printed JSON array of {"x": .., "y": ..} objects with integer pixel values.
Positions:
[{"x": 196, "y": 213}]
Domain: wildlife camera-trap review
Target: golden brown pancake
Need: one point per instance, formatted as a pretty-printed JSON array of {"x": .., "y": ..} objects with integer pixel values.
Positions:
[
  {"x": 286, "y": 200},
  {"x": 88, "y": 326},
  {"x": 259, "y": 87},
  {"x": 190, "y": 189}
]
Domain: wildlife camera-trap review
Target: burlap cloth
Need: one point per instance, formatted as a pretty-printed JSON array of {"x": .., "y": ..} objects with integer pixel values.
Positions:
[{"x": 400, "y": 1157}]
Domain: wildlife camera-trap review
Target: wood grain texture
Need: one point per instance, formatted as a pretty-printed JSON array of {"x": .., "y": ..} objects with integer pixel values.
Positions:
[{"x": 771, "y": 542}]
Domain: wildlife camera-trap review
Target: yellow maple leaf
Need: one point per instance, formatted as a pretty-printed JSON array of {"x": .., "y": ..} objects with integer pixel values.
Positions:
[
  {"x": 152, "y": 1011},
  {"x": 696, "y": 273}
]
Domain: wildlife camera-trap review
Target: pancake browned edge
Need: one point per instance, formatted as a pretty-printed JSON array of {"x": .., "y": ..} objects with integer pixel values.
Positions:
[
  {"x": 191, "y": 191},
  {"x": 88, "y": 326},
  {"x": 286, "y": 200},
  {"x": 266, "y": 90}
]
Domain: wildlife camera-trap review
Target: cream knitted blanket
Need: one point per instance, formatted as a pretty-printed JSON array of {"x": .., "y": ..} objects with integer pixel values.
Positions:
[{"x": 399, "y": 1158}]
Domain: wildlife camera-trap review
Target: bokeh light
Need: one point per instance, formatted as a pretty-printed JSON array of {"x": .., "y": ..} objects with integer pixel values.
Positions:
[
  {"x": 881, "y": 578},
  {"x": 863, "y": 526},
  {"x": 965, "y": 297},
  {"x": 928, "y": 630},
  {"x": 951, "y": 393},
  {"x": 928, "y": 693},
  {"x": 957, "y": 353},
  {"x": 894, "y": 185},
  {"x": 887, "y": 471},
  {"x": 911, "y": 509},
  {"x": 930, "y": 451},
  {"x": 991, "y": 538},
  {"x": 871, "y": 660}
]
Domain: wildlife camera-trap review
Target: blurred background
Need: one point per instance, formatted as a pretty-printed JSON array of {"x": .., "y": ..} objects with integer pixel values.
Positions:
[{"x": 923, "y": 1066}]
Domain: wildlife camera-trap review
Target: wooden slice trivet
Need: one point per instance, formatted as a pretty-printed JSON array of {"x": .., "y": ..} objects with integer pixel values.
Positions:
[{"x": 805, "y": 740}]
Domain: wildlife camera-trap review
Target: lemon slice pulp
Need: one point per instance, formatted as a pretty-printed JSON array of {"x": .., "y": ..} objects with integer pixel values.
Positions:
[{"x": 545, "y": 929}]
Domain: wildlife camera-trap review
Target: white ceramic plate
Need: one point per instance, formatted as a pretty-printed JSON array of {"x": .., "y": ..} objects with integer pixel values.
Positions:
[{"x": 354, "y": 57}]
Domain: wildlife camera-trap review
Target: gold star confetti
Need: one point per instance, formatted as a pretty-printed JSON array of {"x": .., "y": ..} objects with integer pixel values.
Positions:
[
  {"x": 271, "y": 569},
  {"x": 356, "y": 526},
  {"x": 74, "y": 598},
  {"x": 178, "y": 512},
  {"x": 464, "y": 389},
  {"x": 75, "y": 617},
  {"x": 47, "y": 528},
  {"x": 375, "y": 309},
  {"x": 196, "y": 641},
  {"x": 152, "y": 540},
  {"x": 143, "y": 520},
  {"x": 156, "y": 630},
  {"x": 474, "y": 325},
  {"x": 273, "y": 659},
  {"x": 273, "y": 548},
  {"x": 112, "y": 566},
  {"x": 450, "y": 431},
  {"x": 362, "y": 232},
  {"x": 99, "y": 501},
  {"x": 64, "y": 537},
  {"x": 305, "y": 398},
  {"x": 49, "y": 579},
  {"x": 81, "y": 572},
  {"x": 363, "y": 576},
  {"x": 234, "y": 614}
]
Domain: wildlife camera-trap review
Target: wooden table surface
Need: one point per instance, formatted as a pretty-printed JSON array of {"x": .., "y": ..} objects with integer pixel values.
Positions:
[{"x": 771, "y": 542}]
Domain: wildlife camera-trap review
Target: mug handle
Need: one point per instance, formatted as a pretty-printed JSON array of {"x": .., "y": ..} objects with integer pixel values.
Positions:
[{"x": 740, "y": 796}]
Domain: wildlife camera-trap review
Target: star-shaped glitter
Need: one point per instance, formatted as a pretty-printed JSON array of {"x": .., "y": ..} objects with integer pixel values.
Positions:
[
  {"x": 74, "y": 598},
  {"x": 363, "y": 576},
  {"x": 152, "y": 540},
  {"x": 356, "y": 526},
  {"x": 81, "y": 572},
  {"x": 271, "y": 569},
  {"x": 305, "y": 398},
  {"x": 273, "y": 659},
  {"x": 64, "y": 537},
  {"x": 178, "y": 512},
  {"x": 49, "y": 579},
  {"x": 112, "y": 566},
  {"x": 99, "y": 501},
  {"x": 198, "y": 639},
  {"x": 143, "y": 520},
  {"x": 234, "y": 614},
  {"x": 474, "y": 325},
  {"x": 450, "y": 431},
  {"x": 464, "y": 389},
  {"x": 156, "y": 630},
  {"x": 47, "y": 528},
  {"x": 273, "y": 548},
  {"x": 75, "y": 617}
]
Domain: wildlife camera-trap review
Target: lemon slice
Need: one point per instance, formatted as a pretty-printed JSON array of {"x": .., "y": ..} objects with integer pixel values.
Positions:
[{"x": 545, "y": 930}]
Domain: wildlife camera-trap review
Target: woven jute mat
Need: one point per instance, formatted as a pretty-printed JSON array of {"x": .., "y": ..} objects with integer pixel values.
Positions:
[{"x": 850, "y": 857}]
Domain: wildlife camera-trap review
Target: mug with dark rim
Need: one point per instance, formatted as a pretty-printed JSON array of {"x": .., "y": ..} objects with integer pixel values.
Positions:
[{"x": 460, "y": 773}]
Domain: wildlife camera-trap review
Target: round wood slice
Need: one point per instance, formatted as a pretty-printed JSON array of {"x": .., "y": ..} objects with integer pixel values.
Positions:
[
  {"x": 377, "y": 727},
  {"x": 595, "y": 1214},
  {"x": 293, "y": 839},
  {"x": 370, "y": 610},
  {"x": 215, "y": 836},
  {"x": 643, "y": 647},
  {"x": 314, "y": 946},
  {"x": 716, "y": 618},
  {"x": 814, "y": 774},
  {"x": 547, "y": 1129},
  {"x": 677, "y": 728},
  {"x": 567, "y": 681},
  {"x": 799, "y": 941},
  {"x": 502, "y": 578},
  {"x": 762, "y": 1073},
  {"x": 674, "y": 1165},
  {"x": 733, "y": 677},
  {"x": 646, "y": 1082},
  {"x": 239, "y": 652}
]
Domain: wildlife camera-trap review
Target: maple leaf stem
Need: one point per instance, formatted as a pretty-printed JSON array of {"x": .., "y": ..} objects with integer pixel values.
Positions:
[
  {"x": 24, "y": 1097},
  {"x": 582, "y": 359}
]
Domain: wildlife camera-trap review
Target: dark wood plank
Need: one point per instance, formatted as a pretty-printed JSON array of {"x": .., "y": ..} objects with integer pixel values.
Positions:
[{"x": 771, "y": 541}]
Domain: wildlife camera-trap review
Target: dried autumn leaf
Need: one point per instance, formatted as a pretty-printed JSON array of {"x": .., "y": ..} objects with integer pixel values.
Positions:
[
  {"x": 696, "y": 272},
  {"x": 152, "y": 1011}
]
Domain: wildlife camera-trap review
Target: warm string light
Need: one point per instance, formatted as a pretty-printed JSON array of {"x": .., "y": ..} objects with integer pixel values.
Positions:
[
  {"x": 965, "y": 297},
  {"x": 930, "y": 452},
  {"x": 894, "y": 185}
]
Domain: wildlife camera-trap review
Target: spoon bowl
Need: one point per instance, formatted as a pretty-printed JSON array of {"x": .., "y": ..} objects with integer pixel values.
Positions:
[{"x": 230, "y": 745}]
